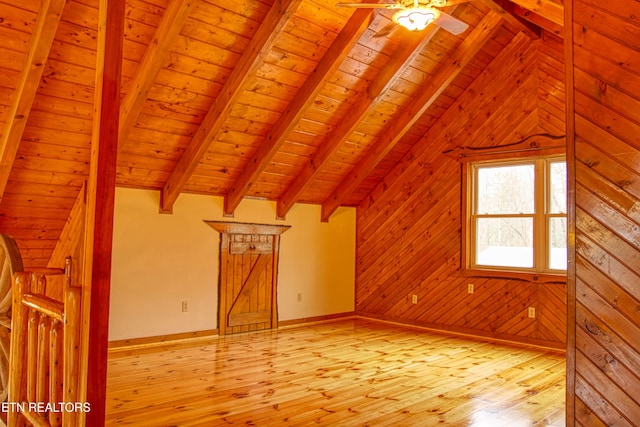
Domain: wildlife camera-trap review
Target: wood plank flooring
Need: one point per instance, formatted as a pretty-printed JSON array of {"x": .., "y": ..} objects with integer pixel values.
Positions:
[{"x": 352, "y": 372}]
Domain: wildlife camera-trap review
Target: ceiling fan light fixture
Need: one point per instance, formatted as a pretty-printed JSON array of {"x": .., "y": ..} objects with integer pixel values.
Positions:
[{"x": 414, "y": 18}]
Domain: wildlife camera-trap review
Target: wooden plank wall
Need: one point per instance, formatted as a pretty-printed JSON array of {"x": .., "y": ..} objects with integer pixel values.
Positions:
[
  {"x": 551, "y": 85},
  {"x": 409, "y": 228},
  {"x": 70, "y": 244},
  {"x": 606, "y": 57}
]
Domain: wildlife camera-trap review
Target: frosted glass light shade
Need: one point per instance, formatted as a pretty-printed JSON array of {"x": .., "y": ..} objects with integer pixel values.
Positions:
[{"x": 414, "y": 19}]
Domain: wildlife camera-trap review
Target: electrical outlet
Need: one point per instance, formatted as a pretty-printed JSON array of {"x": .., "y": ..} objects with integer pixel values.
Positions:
[
  {"x": 470, "y": 288},
  {"x": 185, "y": 306},
  {"x": 299, "y": 297},
  {"x": 414, "y": 299},
  {"x": 532, "y": 312}
]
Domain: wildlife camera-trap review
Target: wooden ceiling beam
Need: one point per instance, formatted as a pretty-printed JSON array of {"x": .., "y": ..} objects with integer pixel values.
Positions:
[
  {"x": 538, "y": 20},
  {"x": 448, "y": 71},
  {"x": 303, "y": 99},
  {"x": 501, "y": 7},
  {"x": 389, "y": 75},
  {"x": 40, "y": 43},
  {"x": 172, "y": 22},
  {"x": 250, "y": 61},
  {"x": 550, "y": 10}
]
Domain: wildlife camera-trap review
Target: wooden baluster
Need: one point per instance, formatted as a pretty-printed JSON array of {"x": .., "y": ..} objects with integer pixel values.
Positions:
[
  {"x": 72, "y": 319},
  {"x": 32, "y": 354},
  {"x": 56, "y": 371},
  {"x": 40, "y": 285},
  {"x": 42, "y": 374},
  {"x": 19, "y": 339}
]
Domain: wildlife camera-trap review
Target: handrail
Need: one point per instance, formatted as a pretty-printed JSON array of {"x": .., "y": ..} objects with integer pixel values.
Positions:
[{"x": 44, "y": 304}]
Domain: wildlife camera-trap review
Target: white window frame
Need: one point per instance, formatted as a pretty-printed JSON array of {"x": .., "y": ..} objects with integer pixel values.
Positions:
[{"x": 541, "y": 220}]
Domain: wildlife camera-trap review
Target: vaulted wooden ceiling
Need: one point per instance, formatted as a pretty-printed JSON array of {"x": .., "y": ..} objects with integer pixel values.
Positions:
[{"x": 287, "y": 100}]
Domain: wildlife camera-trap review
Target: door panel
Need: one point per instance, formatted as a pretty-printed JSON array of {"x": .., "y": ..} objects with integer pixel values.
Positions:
[
  {"x": 247, "y": 283},
  {"x": 248, "y": 276},
  {"x": 252, "y": 303}
]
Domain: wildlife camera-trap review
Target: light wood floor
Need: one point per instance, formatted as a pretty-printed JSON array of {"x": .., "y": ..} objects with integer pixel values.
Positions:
[{"x": 346, "y": 373}]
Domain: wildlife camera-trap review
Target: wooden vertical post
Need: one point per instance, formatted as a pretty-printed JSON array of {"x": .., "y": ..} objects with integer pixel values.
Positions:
[
  {"x": 222, "y": 304},
  {"x": 571, "y": 214},
  {"x": 17, "y": 368},
  {"x": 274, "y": 279},
  {"x": 56, "y": 365},
  {"x": 73, "y": 310},
  {"x": 98, "y": 236}
]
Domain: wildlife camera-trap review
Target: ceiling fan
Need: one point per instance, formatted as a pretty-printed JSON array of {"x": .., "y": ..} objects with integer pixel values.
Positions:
[{"x": 415, "y": 15}]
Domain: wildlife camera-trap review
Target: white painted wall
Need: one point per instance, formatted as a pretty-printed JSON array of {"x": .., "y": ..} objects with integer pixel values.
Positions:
[{"x": 159, "y": 260}]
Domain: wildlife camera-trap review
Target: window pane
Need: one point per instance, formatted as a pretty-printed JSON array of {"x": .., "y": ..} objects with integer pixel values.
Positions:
[
  {"x": 505, "y": 189},
  {"x": 558, "y": 243},
  {"x": 504, "y": 242},
  {"x": 558, "y": 187}
]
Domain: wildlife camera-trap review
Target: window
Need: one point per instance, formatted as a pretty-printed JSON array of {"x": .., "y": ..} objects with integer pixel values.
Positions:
[{"x": 518, "y": 216}]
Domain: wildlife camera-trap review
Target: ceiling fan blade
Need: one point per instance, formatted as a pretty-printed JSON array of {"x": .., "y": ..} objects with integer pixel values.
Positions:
[
  {"x": 372, "y": 5},
  {"x": 451, "y": 24},
  {"x": 386, "y": 30}
]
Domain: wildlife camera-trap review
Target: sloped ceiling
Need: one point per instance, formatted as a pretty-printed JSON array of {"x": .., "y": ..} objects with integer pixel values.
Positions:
[{"x": 287, "y": 100}]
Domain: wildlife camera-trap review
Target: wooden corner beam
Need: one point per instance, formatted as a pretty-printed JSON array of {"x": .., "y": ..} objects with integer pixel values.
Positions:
[
  {"x": 547, "y": 9},
  {"x": 497, "y": 6},
  {"x": 539, "y": 20}
]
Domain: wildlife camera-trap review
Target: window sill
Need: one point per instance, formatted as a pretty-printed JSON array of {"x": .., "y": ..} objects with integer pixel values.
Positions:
[{"x": 516, "y": 275}]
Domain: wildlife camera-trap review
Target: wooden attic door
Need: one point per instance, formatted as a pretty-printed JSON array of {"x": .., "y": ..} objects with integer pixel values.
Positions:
[{"x": 248, "y": 276}]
